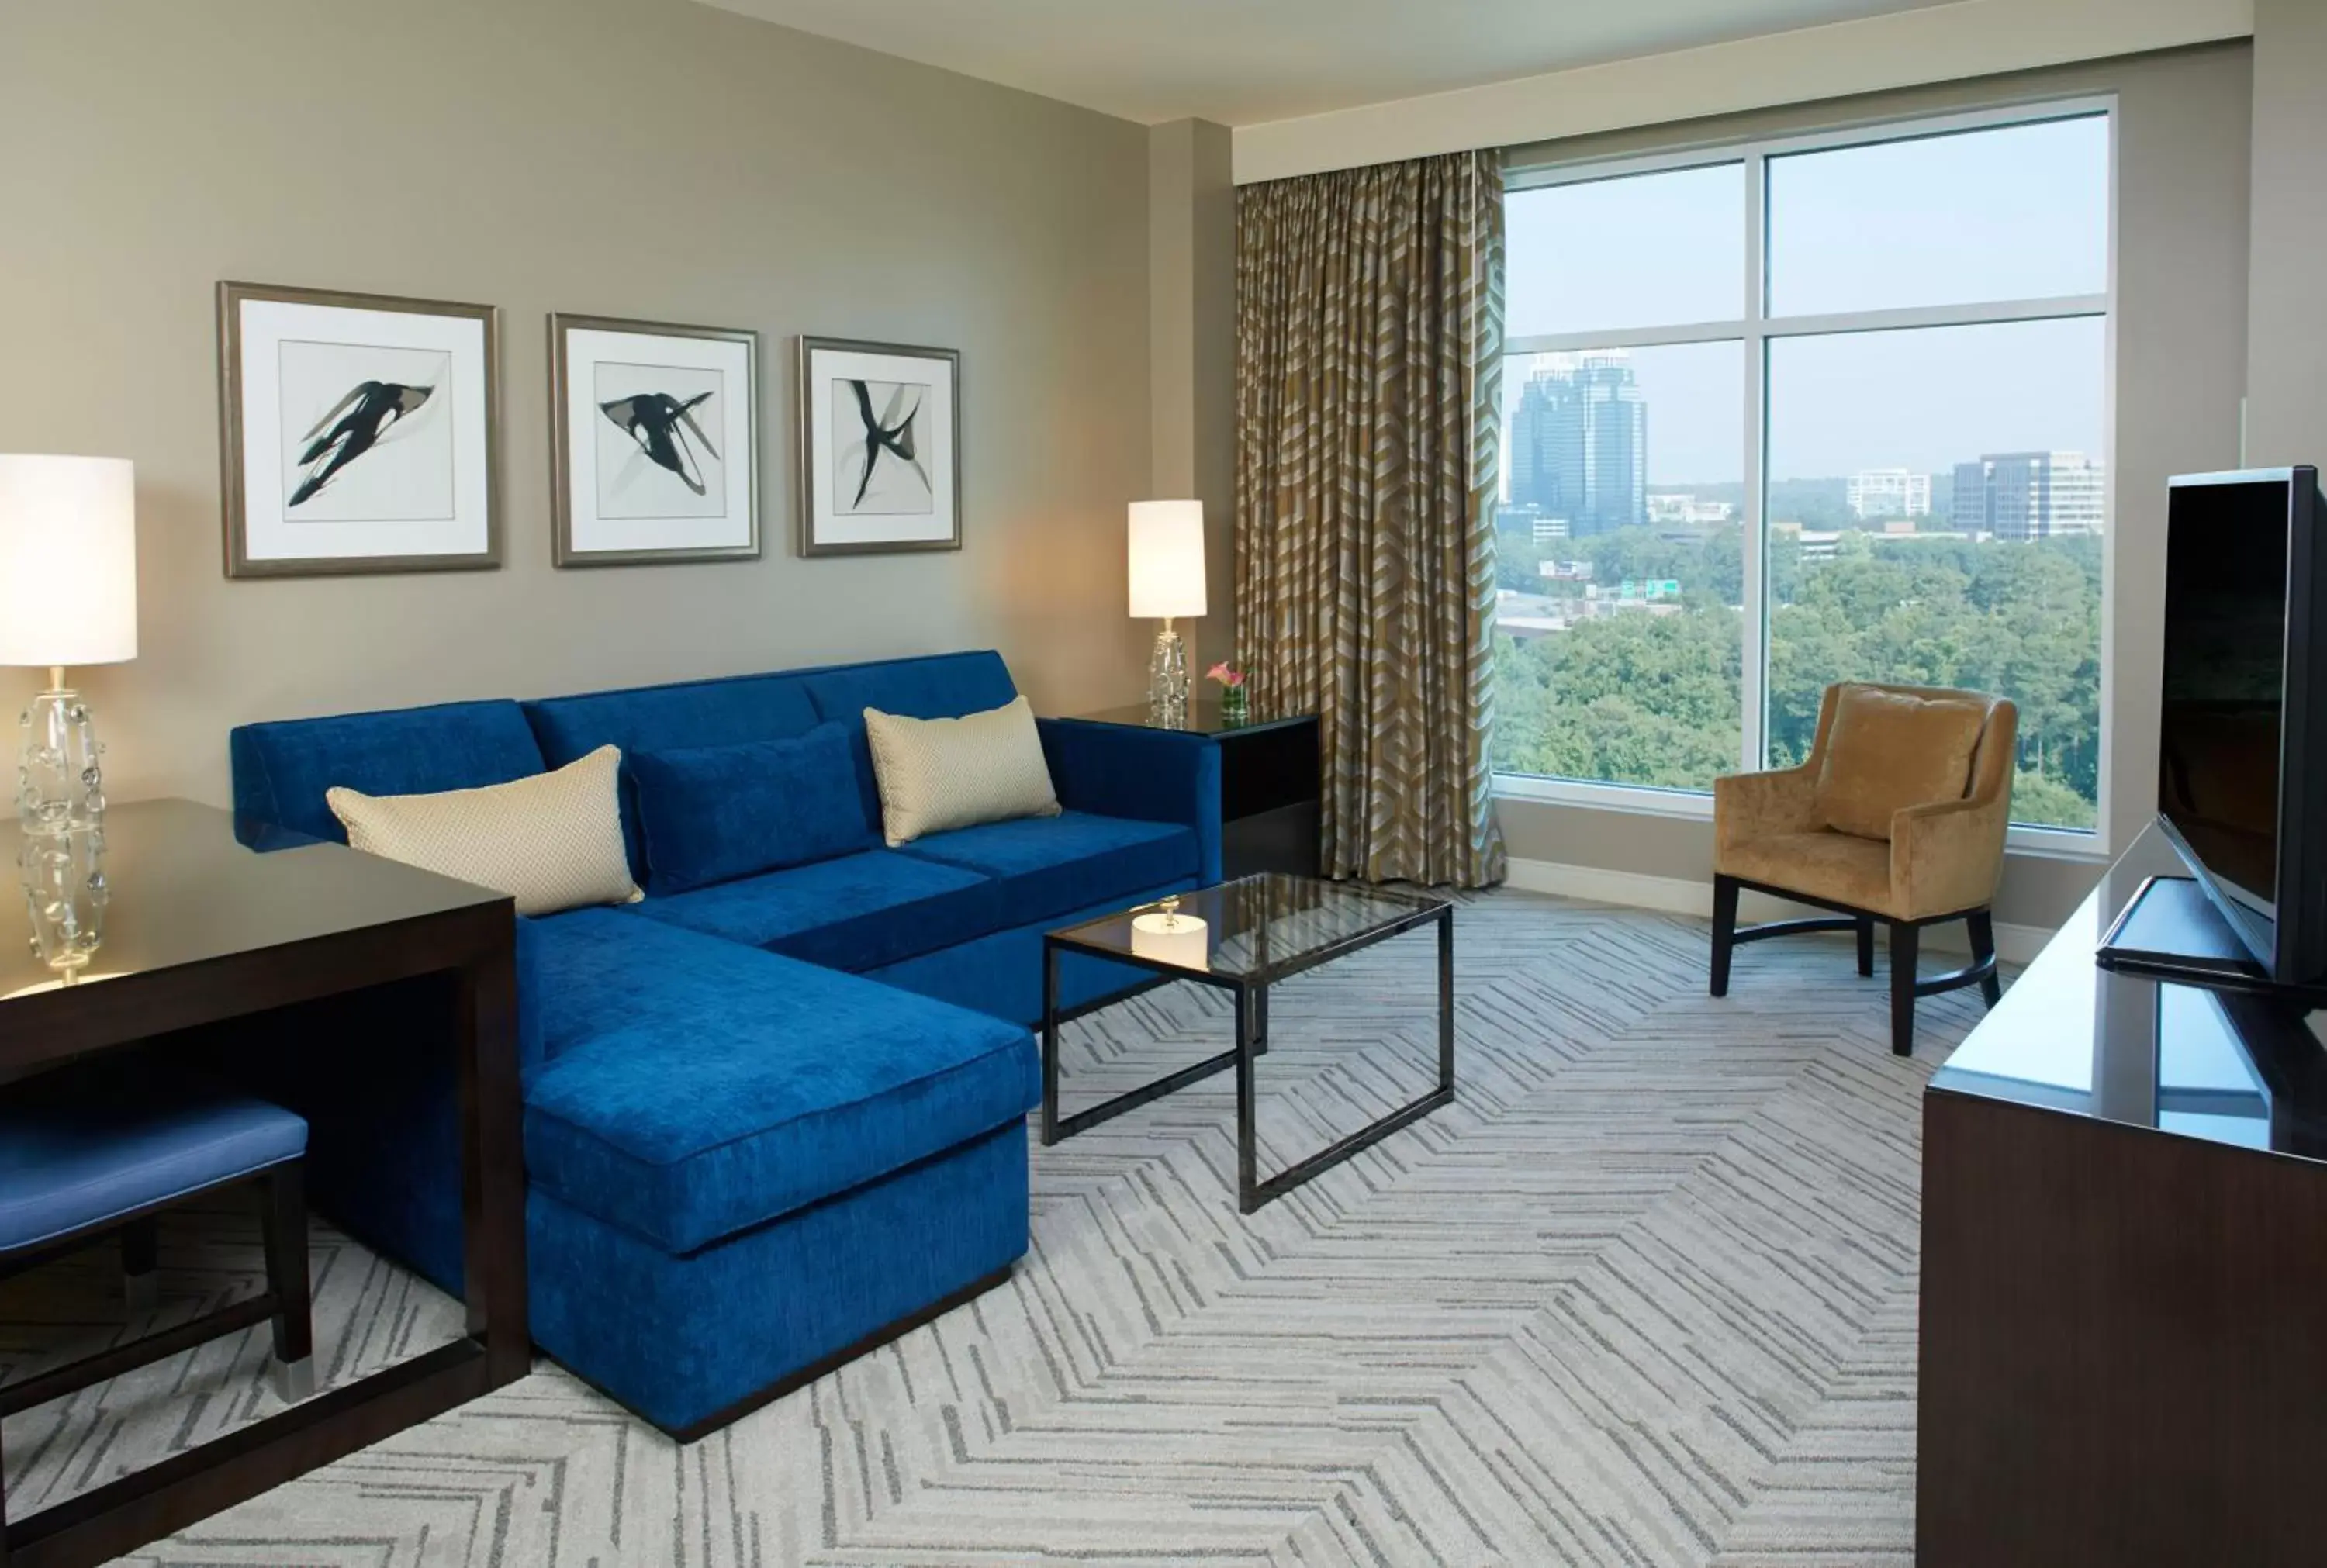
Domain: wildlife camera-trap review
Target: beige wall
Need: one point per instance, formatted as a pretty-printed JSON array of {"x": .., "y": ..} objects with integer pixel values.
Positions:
[
  {"x": 650, "y": 158},
  {"x": 1191, "y": 345},
  {"x": 1945, "y": 41},
  {"x": 2286, "y": 411},
  {"x": 2181, "y": 348}
]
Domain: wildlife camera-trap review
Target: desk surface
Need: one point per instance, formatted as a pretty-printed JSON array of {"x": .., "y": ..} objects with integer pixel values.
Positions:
[
  {"x": 185, "y": 887},
  {"x": 2072, "y": 1036}
]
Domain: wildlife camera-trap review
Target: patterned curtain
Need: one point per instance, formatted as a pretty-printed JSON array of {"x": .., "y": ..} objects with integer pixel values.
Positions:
[{"x": 1369, "y": 384}]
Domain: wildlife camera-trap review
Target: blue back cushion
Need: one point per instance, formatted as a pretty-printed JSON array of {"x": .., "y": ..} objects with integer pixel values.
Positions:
[
  {"x": 669, "y": 718},
  {"x": 282, "y": 769},
  {"x": 712, "y": 814},
  {"x": 943, "y": 685}
]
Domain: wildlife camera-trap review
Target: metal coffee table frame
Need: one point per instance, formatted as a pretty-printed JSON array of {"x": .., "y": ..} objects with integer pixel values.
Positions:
[{"x": 1251, "y": 994}]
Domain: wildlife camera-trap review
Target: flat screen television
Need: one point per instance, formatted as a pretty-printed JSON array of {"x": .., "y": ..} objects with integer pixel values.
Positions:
[{"x": 2242, "y": 758}]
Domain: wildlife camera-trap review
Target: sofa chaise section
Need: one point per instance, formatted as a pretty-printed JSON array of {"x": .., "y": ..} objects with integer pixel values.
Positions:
[{"x": 711, "y": 1123}]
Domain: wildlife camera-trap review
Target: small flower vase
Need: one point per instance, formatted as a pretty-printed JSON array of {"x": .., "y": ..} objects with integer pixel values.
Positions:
[{"x": 1235, "y": 706}]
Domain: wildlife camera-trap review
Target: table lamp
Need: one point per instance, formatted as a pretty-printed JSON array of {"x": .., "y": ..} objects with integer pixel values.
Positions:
[
  {"x": 67, "y": 597},
  {"x": 1167, "y": 581}
]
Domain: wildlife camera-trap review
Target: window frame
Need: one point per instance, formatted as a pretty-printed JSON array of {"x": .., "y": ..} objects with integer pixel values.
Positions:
[{"x": 1755, "y": 330}]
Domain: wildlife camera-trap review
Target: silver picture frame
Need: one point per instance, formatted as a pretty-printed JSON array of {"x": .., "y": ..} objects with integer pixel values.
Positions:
[
  {"x": 823, "y": 530},
  {"x": 571, "y": 518},
  {"x": 476, "y": 432}
]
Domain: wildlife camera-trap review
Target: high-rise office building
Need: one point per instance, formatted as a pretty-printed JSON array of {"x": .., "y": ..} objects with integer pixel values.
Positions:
[
  {"x": 1888, "y": 493},
  {"x": 1967, "y": 511},
  {"x": 1580, "y": 444},
  {"x": 2031, "y": 495}
]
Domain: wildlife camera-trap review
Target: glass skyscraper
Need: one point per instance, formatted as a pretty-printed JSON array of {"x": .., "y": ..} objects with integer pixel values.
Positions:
[{"x": 1580, "y": 445}]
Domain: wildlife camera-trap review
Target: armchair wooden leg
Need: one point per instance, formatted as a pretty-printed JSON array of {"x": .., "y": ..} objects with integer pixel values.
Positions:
[
  {"x": 1865, "y": 947},
  {"x": 1724, "y": 930},
  {"x": 287, "y": 1278},
  {"x": 1903, "y": 988},
  {"x": 141, "y": 1285},
  {"x": 1983, "y": 951}
]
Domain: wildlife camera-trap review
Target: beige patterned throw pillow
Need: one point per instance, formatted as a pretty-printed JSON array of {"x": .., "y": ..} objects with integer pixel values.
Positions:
[
  {"x": 937, "y": 774},
  {"x": 551, "y": 842}
]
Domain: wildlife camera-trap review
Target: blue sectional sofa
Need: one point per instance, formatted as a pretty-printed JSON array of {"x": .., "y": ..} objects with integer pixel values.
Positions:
[{"x": 773, "y": 1120}]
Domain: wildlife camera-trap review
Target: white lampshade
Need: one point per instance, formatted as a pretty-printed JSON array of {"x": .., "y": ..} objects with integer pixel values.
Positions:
[
  {"x": 67, "y": 560},
  {"x": 1167, "y": 559}
]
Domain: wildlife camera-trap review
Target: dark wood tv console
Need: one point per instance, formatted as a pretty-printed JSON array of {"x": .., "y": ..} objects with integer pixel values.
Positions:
[{"x": 2124, "y": 1346}]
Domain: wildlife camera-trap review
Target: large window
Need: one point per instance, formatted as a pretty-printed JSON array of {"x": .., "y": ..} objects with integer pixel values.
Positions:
[{"x": 1798, "y": 412}]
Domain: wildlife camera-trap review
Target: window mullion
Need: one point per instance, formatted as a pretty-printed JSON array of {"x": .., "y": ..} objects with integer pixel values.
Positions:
[{"x": 1751, "y": 548}]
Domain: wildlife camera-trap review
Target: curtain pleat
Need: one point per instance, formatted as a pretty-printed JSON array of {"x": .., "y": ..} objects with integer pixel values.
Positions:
[{"x": 1369, "y": 387}]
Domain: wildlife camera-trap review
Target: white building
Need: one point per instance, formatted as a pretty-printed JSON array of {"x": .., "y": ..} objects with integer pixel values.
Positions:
[
  {"x": 1889, "y": 493},
  {"x": 1686, "y": 508},
  {"x": 2032, "y": 495}
]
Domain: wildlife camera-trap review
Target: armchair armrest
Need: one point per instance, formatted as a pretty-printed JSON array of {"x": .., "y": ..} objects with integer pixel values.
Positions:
[
  {"x": 1147, "y": 774},
  {"x": 1949, "y": 856},
  {"x": 1749, "y": 805}
]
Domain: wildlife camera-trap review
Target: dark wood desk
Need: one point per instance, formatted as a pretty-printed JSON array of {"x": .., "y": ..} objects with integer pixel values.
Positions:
[
  {"x": 2124, "y": 1344},
  {"x": 201, "y": 929},
  {"x": 1270, "y": 780}
]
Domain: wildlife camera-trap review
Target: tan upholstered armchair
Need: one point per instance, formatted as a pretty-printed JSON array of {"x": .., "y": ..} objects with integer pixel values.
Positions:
[{"x": 1898, "y": 816}]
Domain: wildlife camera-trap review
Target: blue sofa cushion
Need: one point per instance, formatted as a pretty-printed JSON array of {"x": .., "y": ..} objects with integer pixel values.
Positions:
[
  {"x": 1050, "y": 865},
  {"x": 1001, "y": 973},
  {"x": 940, "y": 687},
  {"x": 593, "y": 972},
  {"x": 684, "y": 1128},
  {"x": 282, "y": 769},
  {"x": 857, "y": 912},
  {"x": 712, "y": 814},
  {"x": 82, "y": 1149},
  {"x": 665, "y": 718}
]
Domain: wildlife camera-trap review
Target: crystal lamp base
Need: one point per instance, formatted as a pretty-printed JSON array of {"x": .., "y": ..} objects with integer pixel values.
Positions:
[
  {"x": 1167, "y": 681},
  {"x": 60, "y": 785}
]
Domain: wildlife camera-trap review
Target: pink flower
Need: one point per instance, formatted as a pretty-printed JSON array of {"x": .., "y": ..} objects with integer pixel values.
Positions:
[{"x": 1226, "y": 674}]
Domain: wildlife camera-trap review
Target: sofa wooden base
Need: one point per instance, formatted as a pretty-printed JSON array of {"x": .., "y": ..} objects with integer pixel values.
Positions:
[{"x": 1905, "y": 939}]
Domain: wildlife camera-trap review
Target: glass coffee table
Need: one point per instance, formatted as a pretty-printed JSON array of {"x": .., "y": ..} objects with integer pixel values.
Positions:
[{"x": 1242, "y": 938}]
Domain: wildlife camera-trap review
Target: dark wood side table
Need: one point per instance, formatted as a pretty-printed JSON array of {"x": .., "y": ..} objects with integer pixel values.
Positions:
[
  {"x": 201, "y": 929},
  {"x": 2123, "y": 1278},
  {"x": 1270, "y": 780}
]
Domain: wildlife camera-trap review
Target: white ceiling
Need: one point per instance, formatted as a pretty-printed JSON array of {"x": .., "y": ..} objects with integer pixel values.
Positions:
[{"x": 1244, "y": 62}]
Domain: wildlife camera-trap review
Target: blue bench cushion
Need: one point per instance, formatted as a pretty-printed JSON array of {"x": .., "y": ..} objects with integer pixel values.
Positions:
[
  {"x": 79, "y": 1152},
  {"x": 281, "y": 769},
  {"x": 1050, "y": 865},
  {"x": 857, "y": 912},
  {"x": 712, "y": 814},
  {"x": 751, "y": 1086}
]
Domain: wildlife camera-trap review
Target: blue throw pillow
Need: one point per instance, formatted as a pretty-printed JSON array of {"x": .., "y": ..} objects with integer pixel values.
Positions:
[{"x": 712, "y": 814}]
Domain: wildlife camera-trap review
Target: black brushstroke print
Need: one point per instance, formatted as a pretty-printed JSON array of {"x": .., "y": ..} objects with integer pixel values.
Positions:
[
  {"x": 879, "y": 438},
  {"x": 369, "y": 410},
  {"x": 659, "y": 424}
]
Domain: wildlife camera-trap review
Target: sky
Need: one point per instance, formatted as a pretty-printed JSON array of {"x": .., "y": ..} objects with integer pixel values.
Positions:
[{"x": 2008, "y": 214}]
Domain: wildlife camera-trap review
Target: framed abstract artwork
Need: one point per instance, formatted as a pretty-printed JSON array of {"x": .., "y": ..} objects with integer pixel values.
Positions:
[
  {"x": 357, "y": 433},
  {"x": 655, "y": 441},
  {"x": 880, "y": 455}
]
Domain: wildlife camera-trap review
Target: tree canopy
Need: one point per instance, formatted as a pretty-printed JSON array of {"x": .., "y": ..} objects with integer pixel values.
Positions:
[{"x": 1649, "y": 697}]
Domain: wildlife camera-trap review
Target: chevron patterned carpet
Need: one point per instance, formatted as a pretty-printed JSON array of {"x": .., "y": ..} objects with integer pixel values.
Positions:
[{"x": 1644, "y": 1296}]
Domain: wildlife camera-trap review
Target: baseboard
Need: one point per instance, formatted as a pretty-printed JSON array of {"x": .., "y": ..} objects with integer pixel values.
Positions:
[{"x": 1682, "y": 896}]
